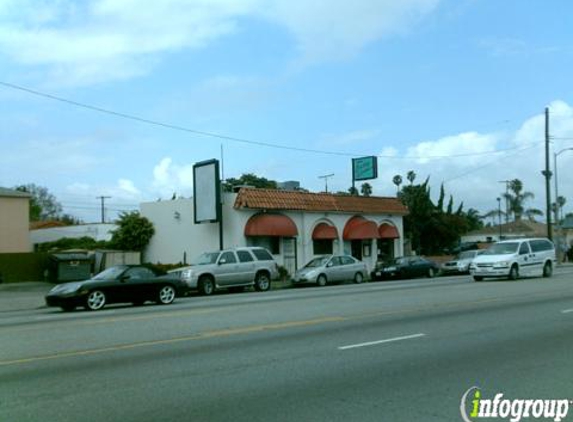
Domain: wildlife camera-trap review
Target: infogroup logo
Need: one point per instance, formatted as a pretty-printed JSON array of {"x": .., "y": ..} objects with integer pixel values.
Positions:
[{"x": 513, "y": 410}]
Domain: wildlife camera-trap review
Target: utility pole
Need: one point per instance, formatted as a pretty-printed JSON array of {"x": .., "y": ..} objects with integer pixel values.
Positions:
[
  {"x": 325, "y": 177},
  {"x": 103, "y": 198},
  {"x": 507, "y": 182},
  {"x": 547, "y": 174}
]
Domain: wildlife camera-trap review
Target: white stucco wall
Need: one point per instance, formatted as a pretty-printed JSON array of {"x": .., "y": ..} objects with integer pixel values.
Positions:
[{"x": 176, "y": 235}]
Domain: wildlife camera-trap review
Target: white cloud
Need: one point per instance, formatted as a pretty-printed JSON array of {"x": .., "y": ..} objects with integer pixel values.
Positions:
[
  {"x": 337, "y": 29},
  {"x": 473, "y": 176},
  {"x": 169, "y": 178},
  {"x": 82, "y": 43}
]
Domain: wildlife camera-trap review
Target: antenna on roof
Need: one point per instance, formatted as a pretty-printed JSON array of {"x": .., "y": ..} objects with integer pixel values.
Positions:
[{"x": 325, "y": 177}]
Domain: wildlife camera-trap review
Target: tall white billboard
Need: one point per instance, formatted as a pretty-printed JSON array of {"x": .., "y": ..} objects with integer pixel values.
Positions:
[{"x": 206, "y": 192}]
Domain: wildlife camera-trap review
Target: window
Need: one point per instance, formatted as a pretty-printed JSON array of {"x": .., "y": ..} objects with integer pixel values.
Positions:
[
  {"x": 540, "y": 245},
  {"x": 272, "y": 243},
  {"x": 335, "y": 262},
  {"x": 346, "y": 260},
  {"x": 322, "y": 247},
  {"x": 244, "y": 256},
  {"x": 524, "y": 248},
  {"x": 228, "y": 258},
  {"x": 262, "y": 255},
  {"x": 139, "y": 273}
]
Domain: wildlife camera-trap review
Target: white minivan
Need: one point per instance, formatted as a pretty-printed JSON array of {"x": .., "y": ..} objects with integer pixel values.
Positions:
[{"x": 515, "y": 258}]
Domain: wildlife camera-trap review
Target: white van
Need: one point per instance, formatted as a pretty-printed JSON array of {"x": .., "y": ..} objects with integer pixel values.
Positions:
[{"x": 515, "y": 258}]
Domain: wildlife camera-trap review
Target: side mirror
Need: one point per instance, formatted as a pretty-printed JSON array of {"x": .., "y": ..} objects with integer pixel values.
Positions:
[
  {"x": 124, "y": 278},
  {"x": 330, "y": 264},
  {"x": 222, "y": 261}
]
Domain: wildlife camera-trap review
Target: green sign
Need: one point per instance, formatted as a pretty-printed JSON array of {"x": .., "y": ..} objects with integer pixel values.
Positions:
[{"x": 364, "y": 168}]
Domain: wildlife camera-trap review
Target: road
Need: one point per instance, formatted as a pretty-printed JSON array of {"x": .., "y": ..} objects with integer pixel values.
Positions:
[{"x": 387, "y": 351}]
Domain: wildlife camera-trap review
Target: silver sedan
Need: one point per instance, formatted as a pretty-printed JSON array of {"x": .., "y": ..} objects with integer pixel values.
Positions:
[{"x": 331, "y": 269}]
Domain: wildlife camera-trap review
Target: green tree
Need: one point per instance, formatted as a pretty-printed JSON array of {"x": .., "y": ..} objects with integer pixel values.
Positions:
[
  {"x": 249, "y": 179},
  {"x": 517, "y": 198},
  {"x": 397, "y": 180},
  {"x": 43, "y": 205},
  {"x": 411, "y": 176},
  {"x": 353, "y": 191},
  {"x": 133, "y": 233},
  {"x": 366, "y": 189}
]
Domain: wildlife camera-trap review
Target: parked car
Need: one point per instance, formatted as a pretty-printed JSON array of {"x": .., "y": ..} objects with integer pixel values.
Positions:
[
  {"x": 119, "y": 284},
  {"x": 461, "y": 263},
  {"x": 230, "y": 268},
  {"x": 330, "y": 269},
  {"x": 515, "y": 258},
  {"x": 405, "y": 267}
]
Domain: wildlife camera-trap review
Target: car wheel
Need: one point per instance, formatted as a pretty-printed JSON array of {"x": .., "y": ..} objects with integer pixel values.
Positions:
[
  {"x": 206, "y": 286},
  {"x": 68, "y": 308},
  {"x": 513, "y": 273},
  {"x": 166, "y": 295},
  {"x": 95, "y": 300},
  {"x": 262, "y": 282},
  {"x": 477, "y": 278},
  {"x": 431, "y": 273},
  {"x": 358, "y": 278},
  {"x": 321, "y": 280},
  {"x": 547, "y": 270}
]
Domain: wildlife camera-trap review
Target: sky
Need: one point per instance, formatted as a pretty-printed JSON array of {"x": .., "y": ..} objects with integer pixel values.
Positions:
[{"x": 120, "y": 98}]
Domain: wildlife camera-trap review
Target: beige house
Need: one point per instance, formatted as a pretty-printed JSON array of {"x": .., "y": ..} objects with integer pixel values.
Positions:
[{"x": 14, "y": 221}]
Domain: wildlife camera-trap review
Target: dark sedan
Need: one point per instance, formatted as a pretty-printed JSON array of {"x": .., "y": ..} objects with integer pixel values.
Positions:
[
  {"x": 405, "y": 267},
  {"x": 119, "y": 284}
]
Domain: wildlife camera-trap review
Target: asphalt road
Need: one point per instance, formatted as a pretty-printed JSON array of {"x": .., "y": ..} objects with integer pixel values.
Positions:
[{"x": 388, "y": 351}]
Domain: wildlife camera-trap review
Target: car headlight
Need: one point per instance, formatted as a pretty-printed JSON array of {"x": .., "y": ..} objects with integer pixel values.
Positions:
[
  {"x": 502, "y": 264},
  {"x": 66, "y": 288},
  {"x": 312, "y": 273},
  {"x": 186, "y": 274}
]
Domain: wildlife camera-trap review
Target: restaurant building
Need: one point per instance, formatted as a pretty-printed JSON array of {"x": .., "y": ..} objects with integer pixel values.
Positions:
[{"x": 294, "y": 226}]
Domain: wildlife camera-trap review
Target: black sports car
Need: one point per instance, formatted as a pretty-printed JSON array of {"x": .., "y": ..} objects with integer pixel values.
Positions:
[
  {"x": 405, "y": 267},
  {"x": 119, "y": 284}
]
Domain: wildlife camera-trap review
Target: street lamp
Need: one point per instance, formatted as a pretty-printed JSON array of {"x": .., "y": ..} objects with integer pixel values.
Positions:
[
  {"x": 499, "y": 215},
  {"x": 555, "y": 155}
]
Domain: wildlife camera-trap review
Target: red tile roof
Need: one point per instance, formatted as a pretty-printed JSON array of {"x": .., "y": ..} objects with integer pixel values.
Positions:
[{"x": 270, "y": 199}]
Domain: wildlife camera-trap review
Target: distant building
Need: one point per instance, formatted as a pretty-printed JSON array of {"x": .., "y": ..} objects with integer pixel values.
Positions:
[
  {"x": 52, "y": 232},
  {"x": 14, "y": 221},
  {"x": 515, "y": 229},
  {"x": 295, "y": 226}
]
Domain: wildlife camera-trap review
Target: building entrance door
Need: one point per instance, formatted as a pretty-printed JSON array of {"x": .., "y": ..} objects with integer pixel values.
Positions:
[{"x": 289, "y": 254}]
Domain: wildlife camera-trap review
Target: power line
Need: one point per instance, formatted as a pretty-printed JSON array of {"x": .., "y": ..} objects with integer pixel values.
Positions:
[{"x": 226, "y": 137}]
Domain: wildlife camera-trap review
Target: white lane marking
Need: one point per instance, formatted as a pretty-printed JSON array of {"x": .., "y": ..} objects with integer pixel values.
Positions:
[
  {"x": 567, "y": 311},
  {"x": 374, "y": 343}
]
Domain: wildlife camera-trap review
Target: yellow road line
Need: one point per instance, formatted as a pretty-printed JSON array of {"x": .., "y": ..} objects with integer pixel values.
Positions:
[
  {"x": 208, "y": 334},
  {"x": 253, "y": 328}
]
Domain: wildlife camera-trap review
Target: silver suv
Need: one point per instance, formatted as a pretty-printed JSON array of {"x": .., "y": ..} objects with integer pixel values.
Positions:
[{"x": 230, "y": 268}]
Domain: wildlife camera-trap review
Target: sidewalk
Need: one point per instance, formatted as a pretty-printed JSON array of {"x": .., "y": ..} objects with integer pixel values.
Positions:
[{"x": 23, "y": 296}]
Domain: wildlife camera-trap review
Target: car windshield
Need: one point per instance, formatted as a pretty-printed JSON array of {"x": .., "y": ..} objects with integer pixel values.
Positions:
[
  {"x": 317, "y": 262},
  {"x": 467, "y": 255},
  {"x": 110, "y": 273},
  {"x": 400, "y": 261},
  {"x": 502, "y": 248},
  {"x": 206, "y": 258}
]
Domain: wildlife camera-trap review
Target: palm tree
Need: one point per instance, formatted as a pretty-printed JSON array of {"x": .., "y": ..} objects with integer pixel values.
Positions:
[
  {"x": 397, "y": 181},
  {"x": 411, "y": 176},
  {"x": 531, "y": 213},
  {"x": 366, "y": 189},
  {"x": 516, "y": 198},
  {"x": 495, "y": 216}
]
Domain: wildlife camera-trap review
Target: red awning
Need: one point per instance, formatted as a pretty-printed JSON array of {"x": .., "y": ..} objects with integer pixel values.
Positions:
[
  {"x": 270, "y": 225},
  {"x": 386, "y": 231},
  {"x": 359, "y": 228},
  {"x": 324, "y": 232}
]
